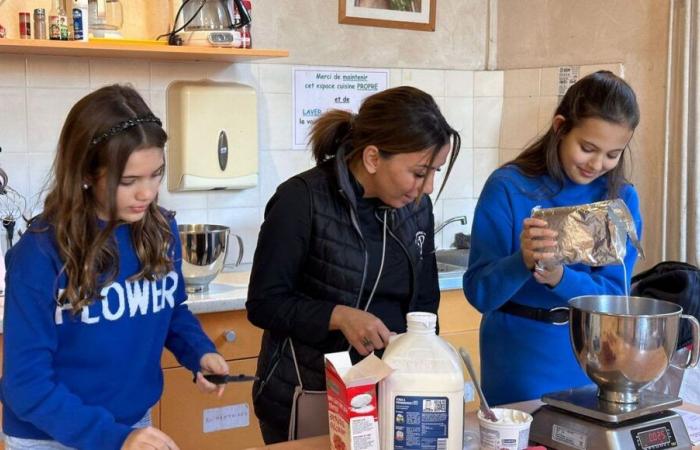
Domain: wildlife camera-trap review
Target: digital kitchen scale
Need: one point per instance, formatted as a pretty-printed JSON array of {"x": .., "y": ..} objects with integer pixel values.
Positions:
[{"x": 576, "y": 419}]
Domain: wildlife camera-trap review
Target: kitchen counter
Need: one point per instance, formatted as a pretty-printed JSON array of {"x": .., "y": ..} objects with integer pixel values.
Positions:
[
  {"x": 229, "y": 290},
  {"x": 471, "y": 429}
]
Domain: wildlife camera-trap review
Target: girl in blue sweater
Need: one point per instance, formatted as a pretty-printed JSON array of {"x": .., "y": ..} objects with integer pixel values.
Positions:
[
  {"x": 525, "y": 349},
  {"x": 95, "y": 291}
]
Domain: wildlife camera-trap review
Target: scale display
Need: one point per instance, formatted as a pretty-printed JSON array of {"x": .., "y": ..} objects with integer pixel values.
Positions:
[{"x": 655, "y": 437}]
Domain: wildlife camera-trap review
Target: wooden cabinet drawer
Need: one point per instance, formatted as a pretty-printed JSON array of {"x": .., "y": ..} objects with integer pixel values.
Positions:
[
  {"x": 183, "y": 406},
  {"x": 469, "y": 340},
  {"x": 232, "y": 334},
  {"x": 456, "y": 314}
]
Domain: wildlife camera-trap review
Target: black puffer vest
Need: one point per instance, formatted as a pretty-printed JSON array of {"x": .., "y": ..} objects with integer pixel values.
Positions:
[{"x": 335, "y": 270}]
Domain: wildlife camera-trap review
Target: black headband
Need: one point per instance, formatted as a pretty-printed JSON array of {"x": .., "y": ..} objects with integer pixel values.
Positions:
[{"x": 123, "y": 126}]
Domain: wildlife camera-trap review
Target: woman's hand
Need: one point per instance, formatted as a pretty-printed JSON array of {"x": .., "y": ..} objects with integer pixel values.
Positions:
[
  {"x": 212, "y": 363},
  {"x": 149, "y": 438},
  {"x": 365, "y": 331},
  {"x": 537, "y": 242},
  {"x": 549, "y": 276}
]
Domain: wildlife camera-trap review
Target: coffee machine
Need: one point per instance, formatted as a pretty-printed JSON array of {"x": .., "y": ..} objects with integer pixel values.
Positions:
[
  {"x": 623, "y": 344},
  {"x": 208, "y": 22}
]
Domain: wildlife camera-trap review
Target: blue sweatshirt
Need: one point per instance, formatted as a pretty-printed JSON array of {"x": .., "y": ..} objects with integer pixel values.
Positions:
[
  {"x": 84, "y": 380},
  {"x": 521, "y": 359}
]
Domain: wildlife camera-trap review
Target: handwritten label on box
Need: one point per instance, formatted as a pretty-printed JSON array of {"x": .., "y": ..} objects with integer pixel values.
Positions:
[{"x": 226, "y": 418}]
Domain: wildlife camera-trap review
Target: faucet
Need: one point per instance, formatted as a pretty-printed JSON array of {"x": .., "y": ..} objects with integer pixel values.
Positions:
[{"x": 460, "y": 219}]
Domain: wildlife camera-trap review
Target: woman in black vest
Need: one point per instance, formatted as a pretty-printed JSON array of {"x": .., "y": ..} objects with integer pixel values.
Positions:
[{"x": 346, "y": 248}]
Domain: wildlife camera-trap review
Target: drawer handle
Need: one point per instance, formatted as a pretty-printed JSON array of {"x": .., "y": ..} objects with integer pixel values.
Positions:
[{"x": 230, "y": 335}]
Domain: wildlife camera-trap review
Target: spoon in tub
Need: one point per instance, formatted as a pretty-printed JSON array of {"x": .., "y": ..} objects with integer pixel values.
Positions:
[{"x": 484, "y": 406}]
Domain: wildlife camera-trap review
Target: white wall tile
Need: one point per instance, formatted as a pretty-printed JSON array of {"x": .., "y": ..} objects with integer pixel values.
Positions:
[
  {"x": 507, "y": 154},
  {"x": 245, "y": 222},
  {"x": 235, "y": 198},
  {"x": 191, "y": 216},
  {"x": 40, "y": 176},
  {"x": 13, "y": 125},
  {"x": 547, "y": 107},
  {"x": 276, "y": 78},
  {"x": 279, "y": 165},
  {"x": 615, "y": 68},
  {"x": 58, "y": 71},
  {"x": 105, "y": 71},
  {"x": 181, "y": 200},
  {"x": 487, "y": 121},
  {"x": 158, "y": 103},
  {"x": 488, "y": 83},
  {"x": 485, "y": 162},
  {"x": 459, "y": 112},
  {"x": 430, "y": 81},
  {"x": 519, "y": 121},
  {"x": 459, "y": 83},
  {"x": 16, "y": 166},
  {"x": 164, "y": 73},
  {"x": 244, "y": 73},
  {"x": 521, "y": 83},
  {"x": 46, "y": 111},
  {"x": 395, "y": 78},
  {"x": 549, "y": 81},
  {"x": 460, "y": 183},
  {"x": 13, "y": 70},
  {"x": 275, "y": 121}
]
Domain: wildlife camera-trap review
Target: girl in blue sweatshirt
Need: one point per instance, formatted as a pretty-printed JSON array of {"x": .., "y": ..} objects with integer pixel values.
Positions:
[
  {"x": 94, "y": 291},
  {"x": 525, "y": 349}
]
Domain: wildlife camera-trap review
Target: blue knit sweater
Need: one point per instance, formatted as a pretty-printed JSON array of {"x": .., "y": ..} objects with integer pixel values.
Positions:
[
  {"x": 84, "y": 380},
  {"x": 521, "y": 359}
]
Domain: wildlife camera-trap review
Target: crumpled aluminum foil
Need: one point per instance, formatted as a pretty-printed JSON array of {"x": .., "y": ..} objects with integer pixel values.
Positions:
[{"x": 594, "y": 234}]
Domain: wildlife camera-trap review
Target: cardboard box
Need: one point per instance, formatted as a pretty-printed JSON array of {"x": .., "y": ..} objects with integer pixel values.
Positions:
[{"x": 353, "y": 414}]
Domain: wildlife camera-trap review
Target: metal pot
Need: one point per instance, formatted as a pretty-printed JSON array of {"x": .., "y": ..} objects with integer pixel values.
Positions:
[
  {"x": 625, "y": 343},
  {"x": 204, "y": 250}
]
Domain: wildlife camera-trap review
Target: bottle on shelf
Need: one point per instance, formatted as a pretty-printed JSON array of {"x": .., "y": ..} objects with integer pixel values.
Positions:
[
  {"x": 58, "y": 22},
  {"x": 80, "y": 20},
  {"x": 246, "y": 36}
]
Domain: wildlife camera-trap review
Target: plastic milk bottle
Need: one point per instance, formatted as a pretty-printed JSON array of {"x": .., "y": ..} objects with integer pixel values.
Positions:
[{"x": 421, "y": 404}]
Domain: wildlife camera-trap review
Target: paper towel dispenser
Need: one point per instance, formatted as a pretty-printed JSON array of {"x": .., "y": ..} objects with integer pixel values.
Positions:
[{"x": 213, "y": 136}]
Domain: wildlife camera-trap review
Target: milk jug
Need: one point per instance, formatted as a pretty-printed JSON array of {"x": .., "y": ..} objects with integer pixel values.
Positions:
[{"x": 421, "y": 404}]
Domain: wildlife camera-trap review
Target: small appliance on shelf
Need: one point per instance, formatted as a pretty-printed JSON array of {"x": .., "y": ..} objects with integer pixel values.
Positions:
[
  {"x": 208, "y": 22},
  {"x": 105, "y": 18}
]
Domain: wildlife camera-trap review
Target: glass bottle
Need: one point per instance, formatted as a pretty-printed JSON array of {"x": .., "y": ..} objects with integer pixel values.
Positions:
[
  {"x": 246, "y": 31},
  {"x": 58, "y": 22}
]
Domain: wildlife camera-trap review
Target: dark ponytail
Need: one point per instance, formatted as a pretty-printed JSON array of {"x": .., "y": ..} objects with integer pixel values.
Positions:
[
  {"x": 329, "y": 132},
  {"x": 398, "y": 120}
]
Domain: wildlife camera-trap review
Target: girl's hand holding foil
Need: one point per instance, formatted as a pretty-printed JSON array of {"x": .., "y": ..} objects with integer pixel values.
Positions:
[{"x": 537, "y": 242}]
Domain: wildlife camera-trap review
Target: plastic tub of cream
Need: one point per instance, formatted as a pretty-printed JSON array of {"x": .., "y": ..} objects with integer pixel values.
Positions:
[{"x": 510, "y": 432}]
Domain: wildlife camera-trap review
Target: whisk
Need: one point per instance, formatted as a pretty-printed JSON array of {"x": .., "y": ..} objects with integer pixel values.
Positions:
[{"x": 12, "y": 207}]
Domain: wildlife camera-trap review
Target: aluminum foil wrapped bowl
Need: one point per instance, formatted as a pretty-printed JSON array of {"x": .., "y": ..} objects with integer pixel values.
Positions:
[
  {"x": 625, "y": 343},
  {"x": 204, "y": 250}
]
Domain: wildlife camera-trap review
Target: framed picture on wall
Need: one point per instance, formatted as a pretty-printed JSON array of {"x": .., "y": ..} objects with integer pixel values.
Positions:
[{"x": 406, "y": 14}]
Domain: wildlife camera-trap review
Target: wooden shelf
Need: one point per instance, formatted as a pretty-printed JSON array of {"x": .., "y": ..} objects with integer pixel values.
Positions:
[{"x": 117, "y": 49}]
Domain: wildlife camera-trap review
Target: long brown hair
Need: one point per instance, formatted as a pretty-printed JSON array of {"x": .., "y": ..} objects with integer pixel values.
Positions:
[
  {"x": 101, "y": 132},
  {"x": 602, "y": 95},
  {"x": 398, "y": 120}
]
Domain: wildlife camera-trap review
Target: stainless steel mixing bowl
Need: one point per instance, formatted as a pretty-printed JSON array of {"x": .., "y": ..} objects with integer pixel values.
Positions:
[
  {"x": 625, "y": 343},
  {"x": 204, "y": 249}
]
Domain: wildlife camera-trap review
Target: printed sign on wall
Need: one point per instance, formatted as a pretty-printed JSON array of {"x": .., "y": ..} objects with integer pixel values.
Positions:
[{"x": 317, "y": 89}]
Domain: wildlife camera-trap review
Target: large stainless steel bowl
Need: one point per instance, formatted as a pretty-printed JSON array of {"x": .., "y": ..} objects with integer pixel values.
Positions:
[
  {"x": 204, "y": 249},
  {"x": 625, "y": 343}
]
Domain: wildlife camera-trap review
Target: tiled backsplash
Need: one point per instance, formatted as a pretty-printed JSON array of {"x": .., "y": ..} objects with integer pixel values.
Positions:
[{"x": 36, "y": 93}]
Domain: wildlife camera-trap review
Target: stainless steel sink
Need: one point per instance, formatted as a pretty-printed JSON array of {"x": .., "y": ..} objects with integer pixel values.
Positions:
[
  {"x": 446, "y": 268},
  {"x": 453, "y": 256},
  {"x": 452, "y": 263}
]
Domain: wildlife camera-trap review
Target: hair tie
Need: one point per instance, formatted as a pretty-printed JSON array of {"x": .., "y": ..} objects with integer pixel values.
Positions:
[{"x": 123, "y": 126}]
